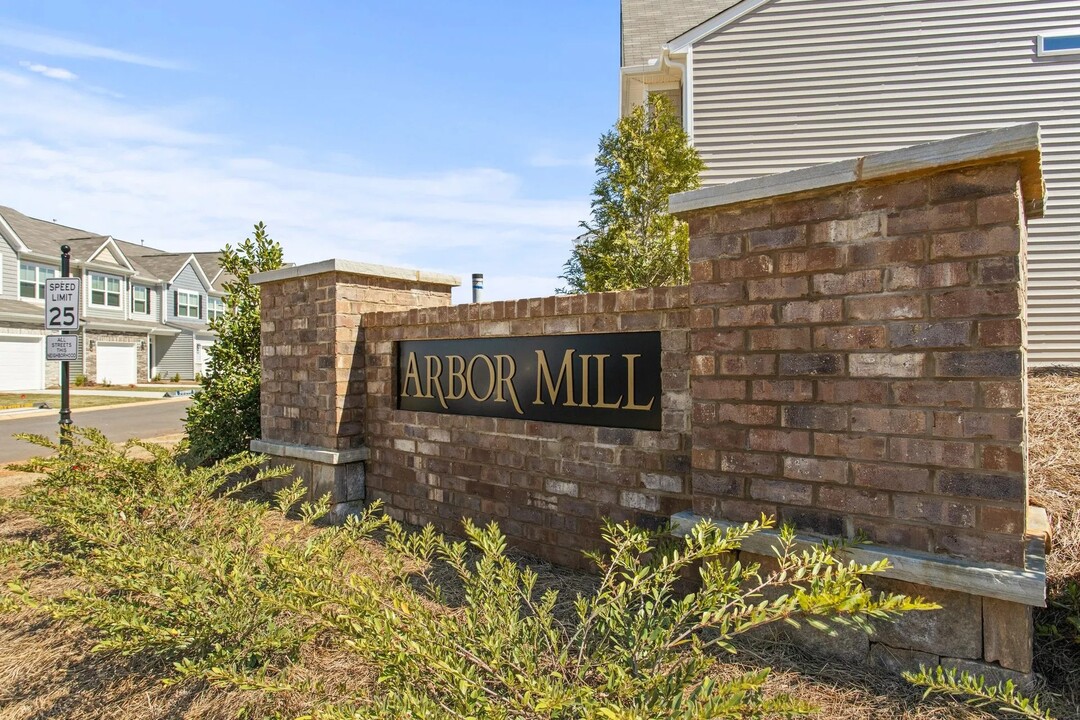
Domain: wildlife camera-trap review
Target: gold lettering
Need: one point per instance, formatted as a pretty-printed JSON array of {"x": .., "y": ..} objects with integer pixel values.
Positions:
[
  {"x": 412, "y": 372},
  {"x": 630, "y": 404},
  {"x": 434, "y": 373},
  {"x": 600, "y": 362},
  {"x": 585, "y": 379},
  {"x": 566, "y": 371},
  {"x": 455, "y": 370},
  {"x": 469, "y": 377},
  {"x": 506, "y": 380}
]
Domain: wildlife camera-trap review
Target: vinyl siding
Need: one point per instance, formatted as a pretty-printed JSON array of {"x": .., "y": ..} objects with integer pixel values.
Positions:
[
  {"x": 189, "y": 281},
  {"x": 175, "y": 355},
  {"x": 804, "y": 82},
  {"x": 100, "y": 311},
  {"x": 152, "y": 293},
  {"x": 9, "y": 271}
]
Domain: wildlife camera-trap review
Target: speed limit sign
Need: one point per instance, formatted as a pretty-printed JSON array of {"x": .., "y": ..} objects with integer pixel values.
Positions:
[{"x": 62, "y": 303}]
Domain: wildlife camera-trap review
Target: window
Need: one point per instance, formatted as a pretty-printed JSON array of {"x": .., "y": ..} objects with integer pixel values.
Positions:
[
  {"x": 188, "y": 304},
  {"x": 1065, "y": 44},
  {"x": 104, "y": 290},
  {"x": 140, "y": 300},
  {"x": 215, "y": 308},
  {"x": 32, "y": 280}
]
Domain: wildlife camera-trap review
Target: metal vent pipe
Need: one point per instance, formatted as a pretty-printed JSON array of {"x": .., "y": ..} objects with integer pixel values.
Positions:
[{"x": 477, "y": 286}]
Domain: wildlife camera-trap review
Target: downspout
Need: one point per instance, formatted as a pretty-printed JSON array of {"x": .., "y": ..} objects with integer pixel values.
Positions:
[{"x": 667, "y": 61}]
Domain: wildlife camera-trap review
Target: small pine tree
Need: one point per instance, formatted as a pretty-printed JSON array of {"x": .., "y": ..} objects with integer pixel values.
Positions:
[
  {"x": 631, "y": 240},
  {"x": 224, "y": 416}
]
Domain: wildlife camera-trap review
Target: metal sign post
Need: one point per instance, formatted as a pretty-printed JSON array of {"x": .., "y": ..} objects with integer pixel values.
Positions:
[{"x": 62, "y": 313}]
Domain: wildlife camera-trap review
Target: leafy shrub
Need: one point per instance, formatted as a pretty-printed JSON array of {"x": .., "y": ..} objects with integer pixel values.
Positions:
[
  {"x": 174, "y": 567},
  {"x": 167, "y": 567},
  {"x": 635, "y": 648},
  {"x": 975, "y": 691},
  {"x": 224, "y": 417},
  {"x": 80, "y": 380}
]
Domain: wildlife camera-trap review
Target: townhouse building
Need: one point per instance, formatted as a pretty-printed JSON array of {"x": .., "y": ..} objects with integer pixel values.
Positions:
[
  {"x": 768, "y": 86},
  {"x": 145, "y": 311}
]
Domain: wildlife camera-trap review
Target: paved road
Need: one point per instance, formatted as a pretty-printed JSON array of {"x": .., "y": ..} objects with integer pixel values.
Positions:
[{"x": 145, "y": 420}]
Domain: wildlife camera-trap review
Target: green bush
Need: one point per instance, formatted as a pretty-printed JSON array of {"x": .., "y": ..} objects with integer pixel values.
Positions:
[
  {"x": 169, "y": 566},
  {"x": 224, "y": 416},
  {"x": 1004, "y": 697},
  {"x": 172, "y": 566}
]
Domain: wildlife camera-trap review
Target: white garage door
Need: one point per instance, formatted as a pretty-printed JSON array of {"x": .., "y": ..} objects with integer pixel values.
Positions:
[
  {"x": 22, "y": 363},
  {"x": 116, "y": 363}
]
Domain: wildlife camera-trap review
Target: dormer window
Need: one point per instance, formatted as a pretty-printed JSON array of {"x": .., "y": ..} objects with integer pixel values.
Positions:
[
  {"x": 1059, "y": 44},
  {"x": 188, "y": 305},
  {"x": 104, "y": 290}
]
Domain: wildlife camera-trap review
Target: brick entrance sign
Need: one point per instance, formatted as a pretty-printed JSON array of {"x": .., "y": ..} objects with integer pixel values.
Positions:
[{"x": 848, "y": 357}]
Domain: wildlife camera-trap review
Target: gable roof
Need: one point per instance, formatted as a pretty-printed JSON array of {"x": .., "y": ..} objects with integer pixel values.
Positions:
[
  {"x": 211, "y": 263},
  {"x": 647, "y": 25},
  {"x": 730, "y": 14},
  {"x": 118, "y": 254},
  {"x": 43, "y": 237}
]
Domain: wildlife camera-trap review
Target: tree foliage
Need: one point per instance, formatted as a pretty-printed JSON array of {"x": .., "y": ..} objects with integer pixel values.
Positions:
[
  {"x": 631, "y": 240},
  {"x": 225, "y": 414}
]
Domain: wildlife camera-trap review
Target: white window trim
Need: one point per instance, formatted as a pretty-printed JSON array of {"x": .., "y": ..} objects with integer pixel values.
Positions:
[
  {"x": 1040, "y": 46},
  {"x": 211, "y": 302},
  {"x": 181, "y": 296},
  {"x": 38, "y": 267},
  {"x": 105, "y": 299},
  {"x": 149, "y": 309}
]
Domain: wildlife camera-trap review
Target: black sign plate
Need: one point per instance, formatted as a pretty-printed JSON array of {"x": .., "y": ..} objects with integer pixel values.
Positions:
[{"x": 610, "y": 380}]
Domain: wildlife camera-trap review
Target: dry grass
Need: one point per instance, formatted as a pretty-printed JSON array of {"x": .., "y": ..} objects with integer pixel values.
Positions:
[
  {"x": 1054, "y": 456},
  {"x": 48, "y": 671}
]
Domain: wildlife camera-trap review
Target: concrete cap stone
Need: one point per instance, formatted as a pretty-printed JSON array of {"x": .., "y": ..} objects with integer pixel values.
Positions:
[
  {"x": 1016, "y": 141},
  {"x": 355, "y": 268}
]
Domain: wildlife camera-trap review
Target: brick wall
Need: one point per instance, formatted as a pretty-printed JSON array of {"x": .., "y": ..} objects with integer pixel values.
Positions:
[
  {"x": 858, "y": 360},
  {"x": 547, "y": 484},
  {"x": 312, "y": 368}
]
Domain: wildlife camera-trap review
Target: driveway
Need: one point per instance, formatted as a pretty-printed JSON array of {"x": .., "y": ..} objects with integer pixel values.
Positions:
[{"x": 140, "y": 420}]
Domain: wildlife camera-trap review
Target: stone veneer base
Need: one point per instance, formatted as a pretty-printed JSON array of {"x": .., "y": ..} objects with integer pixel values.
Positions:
[
  {"x": 984, "y": 625},
  {"x": 337, "y": 473}
]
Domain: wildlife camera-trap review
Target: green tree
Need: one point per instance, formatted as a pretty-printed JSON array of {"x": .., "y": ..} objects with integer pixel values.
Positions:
[
  {"x": 631, "y": 240},
  {"x": 225, "y": 414}
]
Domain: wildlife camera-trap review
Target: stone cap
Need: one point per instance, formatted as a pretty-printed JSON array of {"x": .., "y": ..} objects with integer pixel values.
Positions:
[
  {"x": 355, "y": 268},
  {"x": 1016, "y": 141}
]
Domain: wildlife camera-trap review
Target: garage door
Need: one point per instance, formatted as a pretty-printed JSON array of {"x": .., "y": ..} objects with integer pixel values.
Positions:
[
  {"x": 22, "y": 363},
  {"x": 116, "y": 363}
]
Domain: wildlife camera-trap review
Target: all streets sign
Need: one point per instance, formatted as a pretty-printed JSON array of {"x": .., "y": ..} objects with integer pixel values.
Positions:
[{"x": 611, "y": 379}]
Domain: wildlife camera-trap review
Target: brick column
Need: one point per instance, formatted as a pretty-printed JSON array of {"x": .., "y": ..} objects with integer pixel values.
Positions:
[
  {"x": 313, "y": 365},
  {"x": 858, "y": 366}
]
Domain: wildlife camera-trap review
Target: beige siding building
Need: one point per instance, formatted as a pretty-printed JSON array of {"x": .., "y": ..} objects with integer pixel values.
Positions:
[{"x": 772, "y": 85}]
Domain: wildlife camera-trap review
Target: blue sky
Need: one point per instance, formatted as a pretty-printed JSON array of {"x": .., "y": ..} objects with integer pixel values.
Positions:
[{"x": 455, "y": 137}]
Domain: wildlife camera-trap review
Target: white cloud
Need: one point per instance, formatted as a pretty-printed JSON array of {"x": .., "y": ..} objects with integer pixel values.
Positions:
[
  {"x": 49, "y": 72},
  {"x": 97, "y": 164},
  {"x": 47, "y": 44}
]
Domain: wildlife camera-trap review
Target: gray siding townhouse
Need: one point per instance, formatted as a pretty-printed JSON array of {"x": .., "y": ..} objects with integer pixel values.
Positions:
[
  {"x": 765, "y": 86},
  {"x": 144, "y": 311}
]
